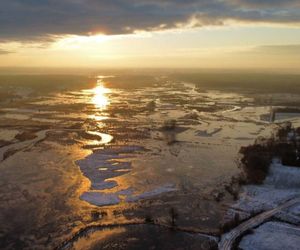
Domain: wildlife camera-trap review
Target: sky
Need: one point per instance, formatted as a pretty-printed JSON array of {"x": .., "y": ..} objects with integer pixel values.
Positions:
[{"x": 150, "y": 33}]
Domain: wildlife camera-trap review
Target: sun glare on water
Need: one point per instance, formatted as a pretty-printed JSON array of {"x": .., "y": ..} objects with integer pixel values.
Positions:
[{"x": 100, "y": 98}]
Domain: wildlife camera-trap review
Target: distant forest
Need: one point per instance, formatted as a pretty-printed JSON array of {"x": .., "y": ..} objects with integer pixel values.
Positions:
[
  {"x": 205, "y": 80},
  {"x": 254, "y": 82}
]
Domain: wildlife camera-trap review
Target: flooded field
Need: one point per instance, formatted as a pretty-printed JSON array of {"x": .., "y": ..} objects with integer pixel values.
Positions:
[{"x": 108, "y": 154}]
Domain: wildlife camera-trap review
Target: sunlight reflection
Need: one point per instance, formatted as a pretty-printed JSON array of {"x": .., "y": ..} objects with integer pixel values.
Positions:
[{"x": 100, "y": 98}]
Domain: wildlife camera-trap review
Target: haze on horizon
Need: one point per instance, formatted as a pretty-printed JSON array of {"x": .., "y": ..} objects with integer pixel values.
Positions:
[{"x": 147, "y": 33}]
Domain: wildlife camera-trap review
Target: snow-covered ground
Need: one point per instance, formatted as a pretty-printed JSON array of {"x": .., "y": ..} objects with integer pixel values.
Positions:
[
  {"x": 272, "y": 236},
  {"x": 281, "y": 185}
]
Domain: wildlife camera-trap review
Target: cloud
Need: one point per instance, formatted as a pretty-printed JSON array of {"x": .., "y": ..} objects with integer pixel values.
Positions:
[
  {"x": 287, "y": 50},
  {"x": 44, "y": 20},
  {"x": 266, "y": 3},
  {"x": 4, "y": 52}
]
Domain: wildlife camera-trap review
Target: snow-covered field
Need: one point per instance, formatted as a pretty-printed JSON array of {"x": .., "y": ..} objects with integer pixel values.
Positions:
[
  {"x": 272, "y": 236},
  {"x": 280, "y": 186}
]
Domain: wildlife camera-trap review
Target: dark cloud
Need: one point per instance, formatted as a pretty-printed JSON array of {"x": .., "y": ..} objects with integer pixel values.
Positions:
[
  {"x": 43, "y": 19},
  {"x": 266, "y": 3}
]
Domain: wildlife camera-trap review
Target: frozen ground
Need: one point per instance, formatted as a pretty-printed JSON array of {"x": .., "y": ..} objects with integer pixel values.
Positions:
[
  {"x": 180, "y": 158},
  {"x": 76, "y": 152},
  {"x": 272, "y": 236},
  {"x": 280, "y": 187}
]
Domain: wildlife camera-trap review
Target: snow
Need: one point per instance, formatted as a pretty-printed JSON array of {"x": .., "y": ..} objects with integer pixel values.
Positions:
[
  {"x": 8, "y": 134},
  {"x": 255, "y": 199},
  {"x": 282, "y": 184},
  {"x": 103, "y": 165},
  {"x": 272, "y": 236},
  {"x": 283, "y": 176},
  {"x": 163, "y": 189},
  {"x": 100, "y": 199},
  {"x": 291, "y": 215}
]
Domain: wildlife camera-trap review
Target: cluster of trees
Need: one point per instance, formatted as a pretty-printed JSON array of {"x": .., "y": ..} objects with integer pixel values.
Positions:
[
  {"x": 284, "y": 145},
  {"x": 43, "y": 83},
  {"x": 255, "y": 162},
  {"x": 241, "y": 80}
]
